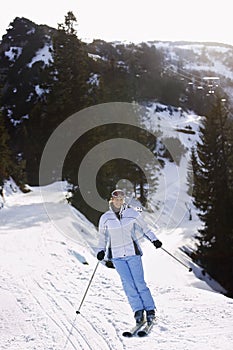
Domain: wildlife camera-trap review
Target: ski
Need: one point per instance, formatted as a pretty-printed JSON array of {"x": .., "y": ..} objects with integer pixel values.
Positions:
[
  {"x": 134, "y": 330},
  {"x": 145, "y": 330}
]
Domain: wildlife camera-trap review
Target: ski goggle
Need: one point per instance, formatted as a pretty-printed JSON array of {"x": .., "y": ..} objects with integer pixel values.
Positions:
[{"x": 118, "y": 193}]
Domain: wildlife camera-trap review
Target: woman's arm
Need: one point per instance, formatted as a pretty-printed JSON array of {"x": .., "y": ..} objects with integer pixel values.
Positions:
[
  {"x": 102, "y": 229},
  {"x": 145, "y": 229}
]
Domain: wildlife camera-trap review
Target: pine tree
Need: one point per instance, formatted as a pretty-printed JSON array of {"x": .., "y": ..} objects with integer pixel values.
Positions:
[
  {"x": 65, "y": 81},
  {"x": 5, "y": 153},
  {"x": 10, "y": 166},
  {"x": 213, "y": 195},
  {"x": 68, "y": 74}
]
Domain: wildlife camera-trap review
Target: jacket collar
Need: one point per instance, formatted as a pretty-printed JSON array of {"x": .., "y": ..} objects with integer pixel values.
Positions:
[{"x": 123, "y": 207}]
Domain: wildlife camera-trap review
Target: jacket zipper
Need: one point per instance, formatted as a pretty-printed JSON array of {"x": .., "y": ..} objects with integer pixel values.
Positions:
[{"x": 123, "y": 240}]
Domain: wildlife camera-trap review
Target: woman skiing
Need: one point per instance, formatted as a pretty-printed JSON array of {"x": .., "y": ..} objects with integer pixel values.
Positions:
[{"x": 118, "y": 229}]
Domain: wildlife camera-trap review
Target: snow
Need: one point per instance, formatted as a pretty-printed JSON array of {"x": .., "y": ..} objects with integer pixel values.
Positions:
[
  {"x": 216, "y": 66},
  {"x": 47, "y": 260},
  {"x": 13, "y": 53},
  {"x": 94, "y": 79},
  {"x": 213, "y": 52},
  {"x": 96, "y": 57},
  {"x": 40, "y": 91},
  {"x": 43, "y": 54}
]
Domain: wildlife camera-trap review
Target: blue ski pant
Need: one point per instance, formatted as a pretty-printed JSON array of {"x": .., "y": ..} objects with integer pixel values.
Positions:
[{"x": 131, "y": 273}]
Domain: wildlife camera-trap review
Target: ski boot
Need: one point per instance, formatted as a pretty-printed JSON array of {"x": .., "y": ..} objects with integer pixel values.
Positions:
[
  {"x": 150, "y": 316},
  {"x": 139, "y": 316}
]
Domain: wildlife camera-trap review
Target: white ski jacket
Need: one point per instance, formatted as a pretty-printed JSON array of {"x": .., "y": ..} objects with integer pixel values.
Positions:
[{"x": 120, "y": 237}]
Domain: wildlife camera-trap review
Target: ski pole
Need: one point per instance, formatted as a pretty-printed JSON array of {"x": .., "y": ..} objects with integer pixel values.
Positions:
[
  {"x": 189, "y": 268},
  {"x": 78, "y": 311}
]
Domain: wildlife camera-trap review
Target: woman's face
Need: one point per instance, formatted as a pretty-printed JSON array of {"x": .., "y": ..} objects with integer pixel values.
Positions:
[{"x": 117, "y": 202}]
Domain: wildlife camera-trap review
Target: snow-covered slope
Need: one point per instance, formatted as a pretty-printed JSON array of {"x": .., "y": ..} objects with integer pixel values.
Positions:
[
  {"x": 47, "y": 260},
  {"x": 44, "y": 276}
]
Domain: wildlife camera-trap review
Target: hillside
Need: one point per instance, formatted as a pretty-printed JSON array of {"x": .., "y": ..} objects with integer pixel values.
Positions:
[
  {"x": 44, "y": 276},
  {"x": 48, "y": 74},
  {"x": 48, "y": 258},
  {"x": 27, "y": 59}
]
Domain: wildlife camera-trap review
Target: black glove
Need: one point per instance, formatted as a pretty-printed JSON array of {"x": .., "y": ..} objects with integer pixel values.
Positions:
[
  {"x": 157, "y": 244},
  {"x": 100, "y": 255},
  {"x": 109, "y": 264}
]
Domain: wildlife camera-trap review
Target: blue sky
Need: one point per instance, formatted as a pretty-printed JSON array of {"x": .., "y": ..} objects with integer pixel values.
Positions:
[{"x": 199, "y": 20}]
